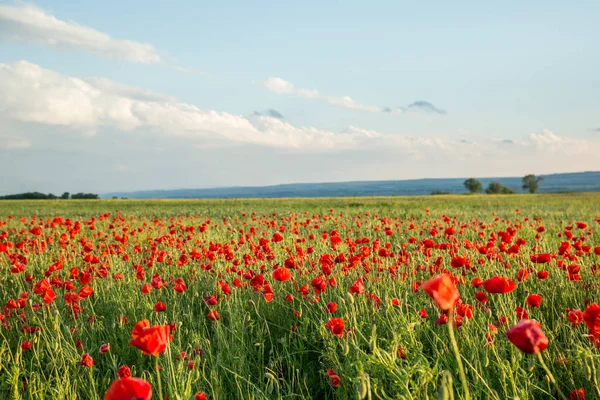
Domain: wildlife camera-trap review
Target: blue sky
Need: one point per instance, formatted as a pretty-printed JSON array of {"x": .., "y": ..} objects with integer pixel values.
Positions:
[{"x": 111, "y": 95}]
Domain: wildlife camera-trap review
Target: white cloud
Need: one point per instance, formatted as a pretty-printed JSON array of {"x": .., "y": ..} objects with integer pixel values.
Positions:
[
  {"x": 550, "y": 141},
  {"x": 27, "y": 23},
  {"x": 33, "y": 99},
  {"x": 349, "y": 103},
  {"x": 30, "y": 93},
  {"x": 281, "y": 86},
  {"x": 546, "y": 137}
]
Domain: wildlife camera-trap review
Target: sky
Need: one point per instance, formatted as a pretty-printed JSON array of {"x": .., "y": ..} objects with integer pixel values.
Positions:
[{"x": 122, "y": 96}]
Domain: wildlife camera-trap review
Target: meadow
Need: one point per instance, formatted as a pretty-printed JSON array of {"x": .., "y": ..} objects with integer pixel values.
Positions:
[{"x": 301, "y": 298}]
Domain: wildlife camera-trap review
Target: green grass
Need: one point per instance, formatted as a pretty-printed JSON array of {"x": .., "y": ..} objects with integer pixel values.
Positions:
[
  {"x": 252, "y": 351},
  {"x": 568, "y": 204}
]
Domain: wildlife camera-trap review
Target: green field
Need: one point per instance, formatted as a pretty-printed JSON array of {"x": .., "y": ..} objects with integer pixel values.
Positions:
[
  {"x": 266, "y": 345},
  {"x": 569, "y": 205}
]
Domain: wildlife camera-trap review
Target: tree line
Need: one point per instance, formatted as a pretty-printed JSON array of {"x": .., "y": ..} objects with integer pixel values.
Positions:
[
  {"x": 49, "y": 196},
  {"x": 530, "y": 183}
]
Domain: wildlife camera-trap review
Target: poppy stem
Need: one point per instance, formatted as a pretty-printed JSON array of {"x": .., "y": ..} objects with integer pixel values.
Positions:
[
  {"x": 157, "y": 368},
  {"x": 550, "y": 376},
  {"x": 461, "y": 369}
]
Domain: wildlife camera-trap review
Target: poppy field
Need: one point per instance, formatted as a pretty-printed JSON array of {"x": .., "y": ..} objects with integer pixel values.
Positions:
[{"x": 438, "y": 297}]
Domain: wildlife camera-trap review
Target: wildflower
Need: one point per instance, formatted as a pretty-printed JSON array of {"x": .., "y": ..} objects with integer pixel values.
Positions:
[
  {"x": 498, "y": 284},
  {"x": 527, "y": 336},
  {"x": 150, "y": 339},
  {"x": 129, "y": 388},
  {"x": 336, "y": 326},
  {"x": 281, "y": 274},
  {"x": 442, "y": 290}
]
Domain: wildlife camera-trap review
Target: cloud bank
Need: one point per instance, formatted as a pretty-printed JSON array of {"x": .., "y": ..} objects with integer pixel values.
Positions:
[
  {"x": 30, "y": 24},
  {"x": 30, "y": 93},
  {"x": 34, "y": 99},
  {"x": 282, "y": 86}
]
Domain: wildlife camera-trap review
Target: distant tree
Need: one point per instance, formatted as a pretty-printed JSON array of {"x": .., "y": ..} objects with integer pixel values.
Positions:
[
  {"x": 78, "y": 196},
  {"x": 28, "y": 196},
  {"x": 438, "y": 192},
  {"x": 65, "y": 196},
  {"x": 498, "y": 188},
  {"x": 473, "y": 185},
  {"x": 531, "y": 183},
  {"x": 49, "y": 196}
]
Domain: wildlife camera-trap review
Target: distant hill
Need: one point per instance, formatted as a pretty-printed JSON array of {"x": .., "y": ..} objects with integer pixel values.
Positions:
[{"x": 571, "y": 182}]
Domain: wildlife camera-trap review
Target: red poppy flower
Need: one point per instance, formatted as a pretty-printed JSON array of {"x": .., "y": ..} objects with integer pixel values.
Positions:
[
  {"x": 128, "y": 389},
  {"x": 49, "y": 296},
  {"x": 459, "y": 262},
  {"x": 179, "y": 286},
  {"x": 465, "y": 310},
  {"x": 400, "y": 352},
  {"x": 334, "y": 379},
  {"x": 200, "y": 396},
  {"x": 534, "y": 300},
  {"x": 498, "y": 284},
  {"x": 86, "y": 361},
  {"x": 442, "y": 290},
  {"x": 26, "y": 345},
  {"x": 575, "y": 317},
  {"x": 522, "y": 275},
  {"x": 331, "y": 307},
  {"x": 268, "y": 293},
  {"x": 41, "y": 286},
  {"x": 476, "y": 282},
  {"x": 105, "y": 348},
  {"x": 336, "y": 326},
  {"x": 591, "y": 317},
  {"x": 281, "y": 274},
  {"x": 146, "y": 288},
  {"x": 357, "y": 287},
  {"x": 481, "y": 297},
  {"x": 527, "y": 336},
  {"x": 213, "y": 315},
  {"x": 542, "y": 275},
  {"x": 124, "y": 371},
  {"x": 319, "y": 284},
  {"x": 160, "y": 307},
  {"x": 210, "y": 301},
  {"x": 85, "y": 292},
  {"x": 150, "y": 339},
  {"x": 541, "y": 258},
  {"x": 577, "y": 394},
  {"x": 522, "y": 313}
]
